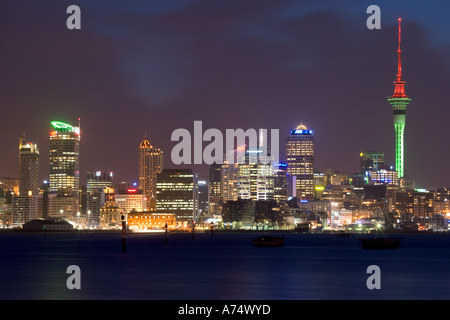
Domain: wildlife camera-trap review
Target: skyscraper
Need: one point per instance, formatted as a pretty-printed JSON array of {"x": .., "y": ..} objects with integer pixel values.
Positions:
[
  {"x": 64, "y": 158},
  {"x": 151, "y": 162},
  {"x": 178, "y": 193},
  {"x": 96, "y": 183},
  {"x": 300, "y": 161},
  {"x": 28, "y": 169},
  {"x": 371, "y": 161},
  {"x": 399, "y": 101}
]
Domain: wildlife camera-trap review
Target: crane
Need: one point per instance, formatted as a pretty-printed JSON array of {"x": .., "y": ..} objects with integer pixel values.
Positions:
[{"x": 21, "y": 138}]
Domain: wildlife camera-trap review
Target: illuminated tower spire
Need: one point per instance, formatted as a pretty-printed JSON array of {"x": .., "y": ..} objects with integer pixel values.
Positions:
[{"x": 399, "y": 101}]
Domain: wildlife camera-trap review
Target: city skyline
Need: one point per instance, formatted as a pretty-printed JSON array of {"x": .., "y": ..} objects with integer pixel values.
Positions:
[{"x": 269, "y": 73}]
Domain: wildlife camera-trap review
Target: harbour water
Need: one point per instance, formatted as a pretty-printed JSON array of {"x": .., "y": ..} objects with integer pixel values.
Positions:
[{"x": 221, "y": 267}]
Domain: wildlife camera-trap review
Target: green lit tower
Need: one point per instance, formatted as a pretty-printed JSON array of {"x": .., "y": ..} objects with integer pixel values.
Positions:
[{"x": 399, "y": 101}]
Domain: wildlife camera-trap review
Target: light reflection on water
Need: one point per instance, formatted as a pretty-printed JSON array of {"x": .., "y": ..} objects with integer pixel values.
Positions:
[{"x": 226, "y": 266}]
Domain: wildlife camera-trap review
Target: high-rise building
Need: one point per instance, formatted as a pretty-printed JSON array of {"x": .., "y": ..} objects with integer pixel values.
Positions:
[
  {"x": 300, "y": 161},
  {"x": 371, "y": 161},
  {"x": 130, "y": 200},
  {"x": 28, "y": 169},
  {"x": 96, "y": 183},
  {"x": 280, "y": 192},
  {"x": 215, "y": 188},
  {"x": 64, "y": 158},
  {"x": 203, "y": 198},
  {"x": 151, "y": 163},
  {"x": 177, "y": 192},
  {"x": 251, "y": 178},
  {"x": 215, "y": 171},
  {"x": 399, "y": 101},
  {"x": 255, "y": 179}
]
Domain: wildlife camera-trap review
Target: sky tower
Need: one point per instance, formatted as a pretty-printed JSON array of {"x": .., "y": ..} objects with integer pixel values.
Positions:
[{"x": 399, "y": 101}]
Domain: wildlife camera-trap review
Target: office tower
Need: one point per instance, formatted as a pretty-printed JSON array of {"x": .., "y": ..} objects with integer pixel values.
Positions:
[
  {"x": 215, "y": 172},
  {"x": 229, "y": 181},
  {"x": 238, "y": 214},
  {"x": 442, "y": 194},
  {"x": 151, "y": 162},
  {"x": 251, "y": 178},
  {"x": 300, "y": 161},
  {"x": 131, "y": 200},
  {"x": 371, "y": 161},
  {"x": 384, "y": 176},
  {"x": 203, "y": 198},
  {"x": 399, "y": 101},
  {"x": 255, "y": 178},
  {"x": 177, "y": 192},
  {"x": 64, "y": 158},
  {"x": 215, "y": 188},
  {"x": 280, "y": 190},
  {"x": 28, "y": 169},
  {"x": 24, "y": 209},
  {"x": 96, "y": 183}
]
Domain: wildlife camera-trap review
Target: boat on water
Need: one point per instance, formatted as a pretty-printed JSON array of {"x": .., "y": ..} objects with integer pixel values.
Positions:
[
  {"x": 380, "y": 243},
  {"x": 342, "y": 234},
  {"x": 268, "y": 241}
]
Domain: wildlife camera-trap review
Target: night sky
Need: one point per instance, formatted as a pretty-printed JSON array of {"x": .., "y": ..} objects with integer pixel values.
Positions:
[{"x": 155, "y": 66}]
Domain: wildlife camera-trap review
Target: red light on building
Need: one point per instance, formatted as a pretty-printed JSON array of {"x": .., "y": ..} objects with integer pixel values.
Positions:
[{"x": 132, "y": 190}]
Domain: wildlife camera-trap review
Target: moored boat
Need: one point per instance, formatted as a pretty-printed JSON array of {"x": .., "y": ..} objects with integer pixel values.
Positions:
[
  {"x": 380, "y": 243},
  {"x": 268, "y": 241}
]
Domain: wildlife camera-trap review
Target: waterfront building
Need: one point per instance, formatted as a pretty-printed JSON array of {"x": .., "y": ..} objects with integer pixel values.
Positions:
[
  {"x": 177, "y": 192},
  {"x": 131, "y": 200},
  {"x": 150, "y": 220},
  {"x": 24, "y": 209}
]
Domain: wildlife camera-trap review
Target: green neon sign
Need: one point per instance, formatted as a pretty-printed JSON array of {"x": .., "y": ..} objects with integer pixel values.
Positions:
[{"x": 61, "y": 125}]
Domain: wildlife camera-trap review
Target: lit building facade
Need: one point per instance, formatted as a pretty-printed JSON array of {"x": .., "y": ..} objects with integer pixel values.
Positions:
[
  {"x": 28, "y": 169},
  {"x": 215, "y": 188},
  {"x": 143, "y": 221},
  {"x": 96, "y": 183},
  {"x": 131, "y": 200},
  {"x": 300, "y": 161},
  {"x": 64, "y": 158},
  {"x": 63, "y": 206},
  {"x": 110, "y": 213},
  {"x": 371, "y": 161},
  {"x": 414, "y": 204},
  {"x": 280, "y": 181},
  {"x": 151, "y": 163},
  {"x": 24, "y": 209},
  {"x": 384, "y": 176},
  {"x": 177, "y": 192}
]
